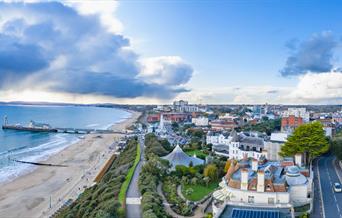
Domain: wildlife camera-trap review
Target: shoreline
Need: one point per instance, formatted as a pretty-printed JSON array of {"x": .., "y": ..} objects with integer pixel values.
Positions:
[{"x": 29, "y": 195}]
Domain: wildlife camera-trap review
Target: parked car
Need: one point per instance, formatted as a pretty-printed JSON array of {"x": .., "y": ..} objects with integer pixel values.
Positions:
[{"x": 337, "y": 187}]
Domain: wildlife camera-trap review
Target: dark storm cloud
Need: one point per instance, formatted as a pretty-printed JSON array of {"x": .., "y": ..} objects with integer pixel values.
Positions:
[
  {"x": 53, "y": 44},
  {"x": 110, "y": 84},
  {"x": 18, "y": 59},
  {"x": 313, "y": 55}
]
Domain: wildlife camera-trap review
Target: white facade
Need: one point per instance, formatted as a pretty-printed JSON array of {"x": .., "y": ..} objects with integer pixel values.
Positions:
[
  {"x": 236, "y": 153},
  {"x": 273, "y": 146},
  {"x": 253, "y": 197},
  {"x": 200, "y": 121},
  {"x": 328, "y": 131},
  {"x": 234, "y": 146},
  {"x": 298, "y": 112},
  {"x": 183, "y": 106}
]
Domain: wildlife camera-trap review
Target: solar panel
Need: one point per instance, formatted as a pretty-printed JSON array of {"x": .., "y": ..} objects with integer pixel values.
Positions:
[{"x": 244, "y": 213}]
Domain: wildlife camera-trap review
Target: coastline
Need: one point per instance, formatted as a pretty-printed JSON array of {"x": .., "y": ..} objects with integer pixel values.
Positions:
[{"x": 29, "y": 195}]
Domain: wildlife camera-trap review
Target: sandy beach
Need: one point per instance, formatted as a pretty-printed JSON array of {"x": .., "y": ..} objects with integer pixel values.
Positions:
[{"x": 41, "y": 192}]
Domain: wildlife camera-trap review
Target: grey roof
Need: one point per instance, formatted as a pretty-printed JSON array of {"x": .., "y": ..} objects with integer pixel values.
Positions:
[
  {"x": 221, "y": 147},
  {"x": 234, "y": 135},
  {"x": 251, "y": 140},
  {"x": 294, "y": 177},
  {"x": 178, "y": 157}
]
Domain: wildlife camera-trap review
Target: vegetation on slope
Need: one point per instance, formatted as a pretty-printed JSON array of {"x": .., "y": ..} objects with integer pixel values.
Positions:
[
  {"x": 336, "y": 147},
  {"x": 101, "y": 200},
  {"x": 152, "y": 172}
]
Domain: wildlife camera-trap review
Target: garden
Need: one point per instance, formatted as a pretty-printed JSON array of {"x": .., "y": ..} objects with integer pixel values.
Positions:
[{"x": 182, "y": 188}]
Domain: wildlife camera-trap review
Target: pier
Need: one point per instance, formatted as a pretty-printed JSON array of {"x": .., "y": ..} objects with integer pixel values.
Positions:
[{"x": 38, "y": 127}]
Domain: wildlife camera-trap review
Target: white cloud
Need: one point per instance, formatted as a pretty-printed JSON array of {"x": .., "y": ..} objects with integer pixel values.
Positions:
[
  {"x": 165, "y": 70},
  {"x": 237, "y": 95},
  {"x": 318, "y": 88},
  {"x": 52, "y": 45},
  {"x": 105, "y": 9}
]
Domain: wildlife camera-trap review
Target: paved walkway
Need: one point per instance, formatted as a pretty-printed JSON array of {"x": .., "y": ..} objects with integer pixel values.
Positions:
[
  {"x": 133, "y": 196},
  {"x": 179, "y": 192}
]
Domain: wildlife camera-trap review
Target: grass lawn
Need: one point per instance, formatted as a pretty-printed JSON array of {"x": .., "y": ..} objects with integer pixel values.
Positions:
[
  {"x": 199, "y": 191},
  {"x": 199, "y": 153},
  {"x": 124, "y": 187}
]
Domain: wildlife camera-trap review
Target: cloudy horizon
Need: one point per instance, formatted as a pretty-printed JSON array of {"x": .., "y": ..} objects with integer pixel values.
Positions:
[{"x": 118, "y": 52}]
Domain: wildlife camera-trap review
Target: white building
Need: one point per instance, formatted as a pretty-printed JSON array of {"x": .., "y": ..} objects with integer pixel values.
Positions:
[
  {"x": 264, "y": 184},
  {"x": 237, "y": 145},
  {"x": 200, "y": 121},
  {"x": 183, "y": 106},
  {"x": 273, "y": 146},
  {"x": 297, "y": 112}
]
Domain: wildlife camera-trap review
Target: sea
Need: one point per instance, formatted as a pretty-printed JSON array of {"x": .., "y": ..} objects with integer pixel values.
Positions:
[{"x": 34, "y": 146}]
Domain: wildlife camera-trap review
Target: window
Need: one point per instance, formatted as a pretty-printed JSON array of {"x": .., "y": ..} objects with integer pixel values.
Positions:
[
  {"x": 268, "y": 188},
  {"x": 250, "y": 199},
  {"x": 270, "y": 200}
]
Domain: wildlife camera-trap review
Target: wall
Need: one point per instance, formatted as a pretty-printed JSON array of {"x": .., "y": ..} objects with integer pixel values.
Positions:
[
  {"x": 273, "y": 149},
  {"x": 259, "y": 197}
]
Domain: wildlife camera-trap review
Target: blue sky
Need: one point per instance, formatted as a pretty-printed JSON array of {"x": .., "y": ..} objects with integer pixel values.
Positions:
[
  {"x": 157, "y": 51},
  {"x": 237, "y": 41}
]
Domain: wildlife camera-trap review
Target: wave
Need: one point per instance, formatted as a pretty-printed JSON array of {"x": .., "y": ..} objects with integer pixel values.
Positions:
[{"x": 42, "y": 152}]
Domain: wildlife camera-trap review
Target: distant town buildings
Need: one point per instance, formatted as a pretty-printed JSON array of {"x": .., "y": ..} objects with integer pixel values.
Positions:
[
  {"x": 200, "y": 121},
  {"x": 183, "y": 106},
  {"x": 223, "y": 124},
  {"x": 173, "y": 117},
  {"x": 290, "y": 123},
  {"x": 294, "y": 117},
  {"x": 297, "y": 112}
]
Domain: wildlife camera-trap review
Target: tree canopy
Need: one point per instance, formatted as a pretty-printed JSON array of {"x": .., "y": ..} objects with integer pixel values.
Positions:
[
  {"x": 336, "y": 146},
  {"x": 267, "y": 126},
  {"x": 211, "y": 171},
  {"x": 308, "y": 139}
]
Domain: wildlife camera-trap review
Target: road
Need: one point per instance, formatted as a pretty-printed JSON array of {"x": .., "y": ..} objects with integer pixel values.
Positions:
[
  {"x": 133, "y": 195},
  {"x": 332, "y": 202}
]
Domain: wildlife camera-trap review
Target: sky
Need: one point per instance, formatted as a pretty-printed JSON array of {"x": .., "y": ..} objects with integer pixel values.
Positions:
[{"x": 146, "y": 52}]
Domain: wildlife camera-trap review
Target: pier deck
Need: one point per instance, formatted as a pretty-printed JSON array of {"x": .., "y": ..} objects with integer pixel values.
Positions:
[{"x": 62, "y": 130}]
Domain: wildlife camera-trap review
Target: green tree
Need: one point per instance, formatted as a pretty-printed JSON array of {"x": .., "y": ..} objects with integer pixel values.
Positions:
[
  {"x": 308, "y": 139},
  {"x": 211, "y": 172},
  {"x": 336, "y": 147}
]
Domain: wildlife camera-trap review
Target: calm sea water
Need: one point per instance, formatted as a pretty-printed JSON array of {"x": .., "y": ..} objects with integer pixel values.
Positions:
[{"x": 29, "y": 146}]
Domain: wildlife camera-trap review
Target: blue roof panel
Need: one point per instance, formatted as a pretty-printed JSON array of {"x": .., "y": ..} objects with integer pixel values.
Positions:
[{"x": 243, "y": 213}]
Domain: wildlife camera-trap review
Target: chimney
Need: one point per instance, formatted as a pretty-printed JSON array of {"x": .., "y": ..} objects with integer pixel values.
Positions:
[
  {"x": 265, "y": 153},
  {"x": 255, "y": 165},
  {"x": 261, "y": 181},
  {"x": 298, "y": 159},
  {"x": 244, "y": 179}
]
